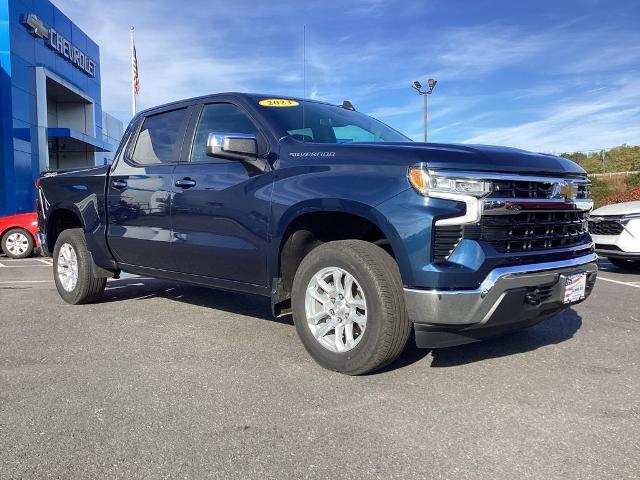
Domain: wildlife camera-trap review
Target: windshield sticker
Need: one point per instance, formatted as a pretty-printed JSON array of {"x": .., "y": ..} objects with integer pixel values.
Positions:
[{"x": 278, "y": 102}]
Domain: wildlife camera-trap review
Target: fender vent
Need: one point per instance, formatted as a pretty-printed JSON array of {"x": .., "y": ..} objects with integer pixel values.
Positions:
[{"x": 446, "y": 239}]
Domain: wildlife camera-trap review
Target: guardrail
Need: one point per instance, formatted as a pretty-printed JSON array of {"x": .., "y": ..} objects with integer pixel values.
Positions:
[{"x": 614, "y": 174}]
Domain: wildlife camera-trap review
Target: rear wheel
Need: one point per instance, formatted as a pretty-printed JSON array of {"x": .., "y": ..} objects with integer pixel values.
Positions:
[
  {"x": 348, "y": 307},
  {"x": 626, "y": 264},
  {"x": 17, "y": 243},
  {"x": 73, "y": 269}
]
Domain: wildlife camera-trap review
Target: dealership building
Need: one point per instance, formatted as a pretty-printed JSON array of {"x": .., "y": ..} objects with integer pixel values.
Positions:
[{"x": 50, "y": 100}]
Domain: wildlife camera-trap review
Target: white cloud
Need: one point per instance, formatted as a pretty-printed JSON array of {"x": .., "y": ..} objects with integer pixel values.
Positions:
[
  {"x": 175, "y": 59},
  {"x": 600, "y": 119}
]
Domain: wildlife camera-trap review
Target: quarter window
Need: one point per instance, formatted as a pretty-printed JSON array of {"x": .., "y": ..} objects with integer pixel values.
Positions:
[
  {"x": 219, "y": 118},
  {"x": 160, "y": 138}
]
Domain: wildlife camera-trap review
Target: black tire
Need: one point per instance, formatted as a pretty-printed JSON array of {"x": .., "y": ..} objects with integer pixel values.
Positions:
[
  {"x": 388, "y": 327},
  {"x": 626, "y": 264},
  {"x": 20, "y": 231},
  {"x": 87, "y": 287}
]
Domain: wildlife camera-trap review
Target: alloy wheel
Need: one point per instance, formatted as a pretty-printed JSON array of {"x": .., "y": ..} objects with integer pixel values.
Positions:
[
  {"x": 67, "y": 267},
  {"x": 336, "y": 309}
]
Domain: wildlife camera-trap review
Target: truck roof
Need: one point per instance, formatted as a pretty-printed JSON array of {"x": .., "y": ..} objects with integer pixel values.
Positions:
[{"x": 248, "y": 96}]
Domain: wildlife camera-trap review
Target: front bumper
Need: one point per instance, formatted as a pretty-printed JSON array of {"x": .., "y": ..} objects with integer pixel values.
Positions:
[
  {"x": 610, "y": 251},
  {"x": 625, "y": 245},
  {"x": 508, "y": 298}
]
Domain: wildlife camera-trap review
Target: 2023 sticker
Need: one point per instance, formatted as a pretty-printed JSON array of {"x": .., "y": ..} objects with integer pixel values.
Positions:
[{"x": 278, "y": 102}]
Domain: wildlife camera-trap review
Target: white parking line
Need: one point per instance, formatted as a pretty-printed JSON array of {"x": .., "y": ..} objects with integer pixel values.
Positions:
[
  {"x": 24, "y": 266},
  {"x": 2, "y": 265},
  {"x": 46, "y": 262},
  {"x": 600, "y": 277},
  {"x": 27, "y": 281}
]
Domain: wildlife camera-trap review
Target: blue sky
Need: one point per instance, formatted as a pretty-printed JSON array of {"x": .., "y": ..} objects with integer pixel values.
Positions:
[{"x": 551, "y": 76}]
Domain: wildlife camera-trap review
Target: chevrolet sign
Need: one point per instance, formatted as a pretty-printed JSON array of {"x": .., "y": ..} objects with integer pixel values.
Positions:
[
  {"x": 565, "y": 190},
  {"x": 61, "y": 45}
]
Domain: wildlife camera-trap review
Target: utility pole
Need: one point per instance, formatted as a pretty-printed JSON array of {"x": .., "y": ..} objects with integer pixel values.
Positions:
[
  {"x": 417, "y": 86},
  {"x": 425, "y": 117}
]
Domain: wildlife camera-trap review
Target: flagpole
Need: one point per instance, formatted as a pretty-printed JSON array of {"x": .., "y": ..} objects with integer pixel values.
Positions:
[{"x": 133, "y": 80}]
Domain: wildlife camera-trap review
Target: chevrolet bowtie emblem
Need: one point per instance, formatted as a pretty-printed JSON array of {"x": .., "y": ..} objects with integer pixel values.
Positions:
[
  {"x": 564, "y": 189},
  {"x": 36, "y": 26}
]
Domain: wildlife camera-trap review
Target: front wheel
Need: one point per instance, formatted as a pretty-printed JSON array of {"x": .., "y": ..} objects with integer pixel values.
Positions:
[
  {"x": 73, "y": 269},
  {"x": 17, "y": 243},
  {"x": 348, "y": 307}
]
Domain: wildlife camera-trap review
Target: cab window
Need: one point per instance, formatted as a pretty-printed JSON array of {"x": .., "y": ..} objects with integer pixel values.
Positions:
[
  {"x": 160, "y": 138},
  {"x": 219, "y": 118}
]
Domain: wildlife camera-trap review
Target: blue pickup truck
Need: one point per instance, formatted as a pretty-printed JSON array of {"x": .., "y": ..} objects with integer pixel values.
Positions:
[{"x": 359, "y": 232}]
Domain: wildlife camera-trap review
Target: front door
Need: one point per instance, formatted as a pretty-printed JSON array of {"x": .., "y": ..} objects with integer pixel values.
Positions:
[
  {"x": 139, "y": 192},
  {"x": 220, "y": 215}
]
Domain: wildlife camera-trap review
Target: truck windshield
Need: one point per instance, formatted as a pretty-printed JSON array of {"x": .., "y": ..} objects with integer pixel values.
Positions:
[{"x": 324, "y": 123}]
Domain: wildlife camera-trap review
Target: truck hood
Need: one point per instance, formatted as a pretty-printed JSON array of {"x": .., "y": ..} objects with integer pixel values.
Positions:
[
  {"x": 618, "y": 209},
  {"x": 463, "y": 157}
]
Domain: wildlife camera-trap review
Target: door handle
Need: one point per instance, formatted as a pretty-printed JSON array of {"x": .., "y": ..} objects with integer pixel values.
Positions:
[
  {"x": 185, "y": 183},
  {"x": 119, "y": 184}
]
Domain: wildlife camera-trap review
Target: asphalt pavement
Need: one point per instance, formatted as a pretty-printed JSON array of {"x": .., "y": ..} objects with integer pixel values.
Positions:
[{"x": 161, "y": 380}]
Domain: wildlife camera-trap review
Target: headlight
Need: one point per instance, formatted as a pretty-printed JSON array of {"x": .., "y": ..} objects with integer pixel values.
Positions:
[{"x": 427, "y": 182}]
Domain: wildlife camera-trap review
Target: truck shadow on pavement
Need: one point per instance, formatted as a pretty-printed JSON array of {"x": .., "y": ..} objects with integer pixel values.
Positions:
[
  {"x": 555, "y": 330},
  {"x": 135, "y": 288}
]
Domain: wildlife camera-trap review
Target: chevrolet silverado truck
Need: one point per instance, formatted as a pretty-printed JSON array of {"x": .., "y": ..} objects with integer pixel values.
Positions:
[{"x": 359, "y": 232}]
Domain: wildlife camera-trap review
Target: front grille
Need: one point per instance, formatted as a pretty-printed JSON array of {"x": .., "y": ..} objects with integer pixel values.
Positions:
[
  {"x": 523, "y": 232},
  {"x": 528, "y": 231},
  {"x": 529, "y": 189},
  {"x": 605, "y": 227}
]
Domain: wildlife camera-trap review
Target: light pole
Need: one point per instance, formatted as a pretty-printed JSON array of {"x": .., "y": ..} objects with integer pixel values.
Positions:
[{"x": 417, "y": 86}]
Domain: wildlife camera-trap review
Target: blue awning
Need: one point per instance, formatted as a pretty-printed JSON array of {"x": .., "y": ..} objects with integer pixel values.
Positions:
[{"x": 74, "y": 136}]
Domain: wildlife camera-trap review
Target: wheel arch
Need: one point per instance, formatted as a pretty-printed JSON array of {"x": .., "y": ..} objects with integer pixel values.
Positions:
[
  {"x": 11, "y": 227},
  {"x": 308, "y": 224},
  {"x": 61, "y": 217}
]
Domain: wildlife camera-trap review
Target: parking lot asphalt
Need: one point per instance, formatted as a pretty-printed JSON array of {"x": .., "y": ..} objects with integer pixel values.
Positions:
[{"x": 161, "y": 380}]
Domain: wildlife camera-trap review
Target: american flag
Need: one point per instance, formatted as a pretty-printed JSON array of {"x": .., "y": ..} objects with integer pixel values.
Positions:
[{"x": 134, "y": 70}]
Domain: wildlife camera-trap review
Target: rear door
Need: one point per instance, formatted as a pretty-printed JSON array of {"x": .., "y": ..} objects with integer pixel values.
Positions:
[
  {"x": 220, "y": 219},
  {"x": 140, "y": 188}
]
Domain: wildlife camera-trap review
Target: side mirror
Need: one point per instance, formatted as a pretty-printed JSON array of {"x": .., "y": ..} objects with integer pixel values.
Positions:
[{"x": 234, "y": 146}]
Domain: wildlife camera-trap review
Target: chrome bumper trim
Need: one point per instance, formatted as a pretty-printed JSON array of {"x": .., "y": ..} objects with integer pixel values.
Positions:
[{"x": 466, "y": 307}]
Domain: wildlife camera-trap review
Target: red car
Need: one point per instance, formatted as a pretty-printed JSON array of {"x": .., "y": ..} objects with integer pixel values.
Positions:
[{"x": 18, "y": 234}]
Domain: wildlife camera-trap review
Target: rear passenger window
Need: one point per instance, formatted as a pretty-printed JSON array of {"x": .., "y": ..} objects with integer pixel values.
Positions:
[{"x": 160, "y": 138}]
